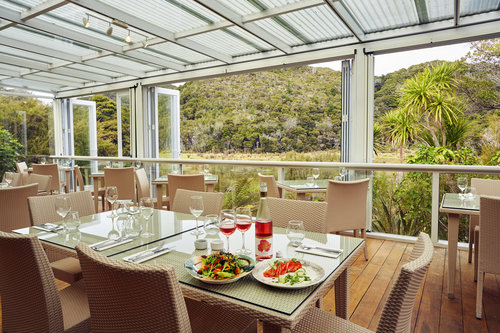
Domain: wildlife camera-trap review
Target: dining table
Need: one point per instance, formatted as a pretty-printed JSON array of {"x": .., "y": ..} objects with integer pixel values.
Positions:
[
  {"x": 280, "y": 309},
  {"x": 161, "y": 182},
  {"x": 301, "y": 187},
  {"x": 454, "y": 205}
]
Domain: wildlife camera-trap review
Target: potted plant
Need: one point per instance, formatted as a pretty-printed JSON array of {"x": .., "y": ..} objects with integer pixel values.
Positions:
[{"x": 11, "y": 151}]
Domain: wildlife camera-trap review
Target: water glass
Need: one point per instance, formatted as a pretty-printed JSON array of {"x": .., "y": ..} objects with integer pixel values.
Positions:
[
  {"x": 211, "y": 224},
  {"x": 9, "y": 177},
  {"x": 206, "y": 169},
  {"x": 315, "y": 174},
  {"x": 196, "y": 208},
  {"x": 62, "y": 205},
  {"x": 462, "y": 184},
  {"x": 295, "y": 232},
  {"x": 131, "y": 208},
  {"x": 342, "y": 173},
  {"x": 43, "y": 160},
  {"x": 310, "y": 182},
  {"x": 132, "y": 227},
  {"x": 72, "y": 221},
  {"x": 147, "y": 210}
]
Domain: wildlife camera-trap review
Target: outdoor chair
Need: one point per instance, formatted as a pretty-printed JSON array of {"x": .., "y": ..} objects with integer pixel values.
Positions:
[
  {"x": 43, "y": 182},
  {"x": 347, "y": 207},
  {"x": 128, "y": 297},
  {"x": 144, "y": 188},
  {"x": 483, "y": 187},
  {"x": 273, "y": 191},
  {"x": 186, "y": 182},
  {"x": 123, "y": 179},
  {"x": 80, "y": 185},
  {"x": 50, "y": 170},
  {"x": 212, "y": 201},
  {"x": 312, "y": 213},
  {"x": 14, "y": 211},
  {"x": 21, "y": 167},
  {"x": 396, "y": 315},
  {"x": 30, "y": 299},
  {"x": 489, "y": 247}
]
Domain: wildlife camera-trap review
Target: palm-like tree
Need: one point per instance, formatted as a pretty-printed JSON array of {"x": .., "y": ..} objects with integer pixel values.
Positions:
[{"x": 401, "y": 127}]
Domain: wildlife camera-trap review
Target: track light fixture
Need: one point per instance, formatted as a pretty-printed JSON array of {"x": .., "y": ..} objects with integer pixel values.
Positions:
[
  {"x": 86, "y": 21},
  {"x": 110, "y": 30},
  {"x": 145, "y": 43},
  {"x": 128, "y": 39}
]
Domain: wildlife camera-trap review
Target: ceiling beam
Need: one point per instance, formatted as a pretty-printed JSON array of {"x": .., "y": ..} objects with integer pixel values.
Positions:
[
  {"x": 343, "y": 14},
  {"x": 38, "y": 24},
  {"x": 30, "y": 86},
  {"x": 42, "y": 8},
  {"x": 149, "y": 27},
  {"x": 251, "y": 28}
]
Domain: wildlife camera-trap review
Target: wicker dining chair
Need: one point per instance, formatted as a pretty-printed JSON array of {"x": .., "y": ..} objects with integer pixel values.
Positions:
[
  {"x": 273, "y": 191},
  {"x": 80, "y": 185},
  {"x": 312, "y": 213},
  {"x": 347, "y": 202},
  {"x": 44, "y": 182},
  {"x": 186, "y": 182},
  {"x": 489, "y": 187},
  {"x": 489, "y": 247},
  {"x": 212, "y": 201},
  {"x": 21, "y": 167},
  {"x": 14, "y": 211},
  {"x": 128, "y": 297},
  {"x": 396, "y": 315},
  {"x": 30, "y": 299},
  {"x": 144, "y": 187},
  {"x": 123, "y": 179},
  {"x": 50, "y": 170}
]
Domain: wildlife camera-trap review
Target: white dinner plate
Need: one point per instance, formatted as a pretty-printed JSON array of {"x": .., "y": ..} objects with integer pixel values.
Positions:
[
  {"x": 314, "y": 271},
  {"x": 192, "y": 265}
]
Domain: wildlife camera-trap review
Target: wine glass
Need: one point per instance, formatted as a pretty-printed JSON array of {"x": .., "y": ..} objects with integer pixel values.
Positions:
[
  {"x": 131, "y": 208},
  {"x": 295, "y": 232},
  {"x": 147, "y": 209},
  {"x": 196, "y": 208},
  {"x": 243, "y": 223},
  {"x": 310, "y": 182},
  {"x": 342, "y": 172},
  {"x": 315, "y": 175},
  {"x": 111, "y": 194},
  {"x": 43, "y": 160},
  {"x": 9, "y": 177},
  {"x": 227, "y": 224},
  {"x": 72, "y": 221},
  {"x": 206, "y": 169},
  {"x": 113, "y": 233},
  {"x": 462, "y": 184},
  {"x": 62, "y": 204},
  {"x": 138, "y": 165}
]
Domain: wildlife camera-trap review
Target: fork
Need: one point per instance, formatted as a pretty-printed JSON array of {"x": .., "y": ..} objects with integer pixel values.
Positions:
[
  {"x": 147, "y": 253},
  {"x": 310, "y": 247}
]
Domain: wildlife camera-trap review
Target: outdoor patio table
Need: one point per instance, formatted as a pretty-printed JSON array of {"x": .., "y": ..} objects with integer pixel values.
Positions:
[
  {"x": 278, "y": 308},
  {"x": 454, "y": 207},
  {"x": 300, "y": 188},
  {"x": 210, "y": 181},
  {"x": 98, "y": 180}
]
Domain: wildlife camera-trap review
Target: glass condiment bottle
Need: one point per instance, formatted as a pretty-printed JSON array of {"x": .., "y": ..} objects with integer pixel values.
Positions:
[{"x": 263, "y": 232}]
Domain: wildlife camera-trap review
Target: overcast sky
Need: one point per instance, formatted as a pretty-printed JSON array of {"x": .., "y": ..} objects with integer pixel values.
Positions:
[{"x": 388, "y": 63}]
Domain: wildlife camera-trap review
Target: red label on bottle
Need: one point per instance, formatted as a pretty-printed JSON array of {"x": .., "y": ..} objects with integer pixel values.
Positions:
[{"x": 263, "y": 239}]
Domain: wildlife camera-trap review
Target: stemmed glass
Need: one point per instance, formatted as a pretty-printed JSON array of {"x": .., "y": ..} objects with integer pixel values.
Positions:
[
  {"x": 147, "y": 209},
  {"x": 9, "y": 177},
  {"x": 342, "y": 172},
  {"x": 196, "y": 208},
  {"x": 295, "y": 232},
  {"x": 227, "y": 225},
  {"x": 462, "y": 184},
  {"x": 112, "y": 195},
  {"x": 206, "y": 169},
  {"x": 72, "y": 221},
  {"x": 243, "y": 223},
  {"x": 63, "y": 206},
  {"x": 315, "y": 175}
]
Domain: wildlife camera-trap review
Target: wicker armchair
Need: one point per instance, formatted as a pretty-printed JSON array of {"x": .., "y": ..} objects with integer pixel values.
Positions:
[
  {"x": 312, "y": 213},
  {"x": 273, "y": 191},
  {"x": 80, "y": 185},
  {"x": 489, "y": 247},
  {"x": 14, "y": 212},
  {"x": 123, "y": 179},
  {"x": 30, "y": 299},
  {"x": 127, "y": 297},
  {"x": 396, "y": 315},
  {"x": 212, "y": 201},
  {"x": 186, "y": 182},
  {"x": 347, "y": 207},
  {"x": 144, "y": 189},
  {"x": 21, "y": 167},
  {"x": 50, "y": 170},
  {"x": 44, "y": 182}
]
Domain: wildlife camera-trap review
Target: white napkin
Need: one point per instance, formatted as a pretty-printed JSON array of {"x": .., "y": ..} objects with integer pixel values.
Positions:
[
  {"x": 150, "y": 254},
  {"x": 319, "y": 252},
  {"x": 108, "y": 243},
  {"x": 48, "y": 227}
]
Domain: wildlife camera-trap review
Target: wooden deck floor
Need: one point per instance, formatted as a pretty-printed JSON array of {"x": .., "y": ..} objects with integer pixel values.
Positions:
[{"x": 433, "y": 312}]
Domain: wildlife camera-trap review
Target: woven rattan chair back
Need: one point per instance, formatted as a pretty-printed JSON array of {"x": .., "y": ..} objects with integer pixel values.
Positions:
[
  {"x": 43, "y": 210},
  {"x": 186, "y": 182},
  {"x": 143, "y": 186},
  {"x": 272, "y": 188},
  {"x": 44, "y": 182},
  {"x": 14, "y": 212},
  {"x": 347, "y": 206},
  {"x": 126, "y": 297},
  {"x": 396, "y": 315},
  {"x": 312, "y": 213},
  {"x": 49, "y": 170},
  {"x": 489, "y": 247},
  {"x": 17, "y": 179},
  {"x": 123, "y": 179},
  {"x": 212, "y": 201},
  {"x": 21, "y": 167},
  {"x": 78, "y": 178}
]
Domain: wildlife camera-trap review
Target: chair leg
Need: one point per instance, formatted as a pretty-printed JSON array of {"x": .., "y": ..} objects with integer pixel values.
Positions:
[
  {"x": 476, "y": 253},
  {"x": 471, "y": 242},
  {"x": 363, "y": 234},
  {"x": 479, "y": 296}
]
